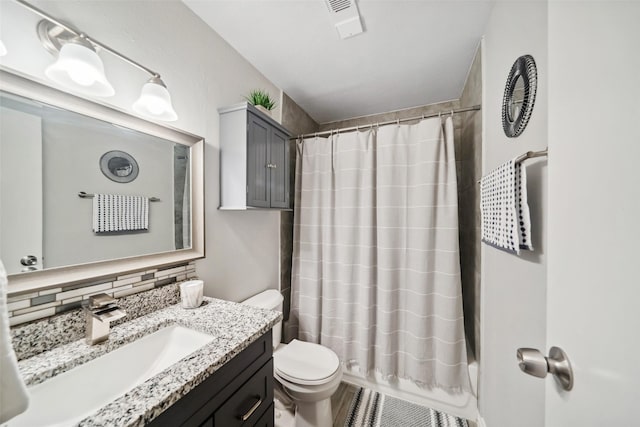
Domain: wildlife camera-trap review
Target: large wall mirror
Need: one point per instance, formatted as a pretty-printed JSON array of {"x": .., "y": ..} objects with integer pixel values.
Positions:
[{"x": 63, "y": 218}]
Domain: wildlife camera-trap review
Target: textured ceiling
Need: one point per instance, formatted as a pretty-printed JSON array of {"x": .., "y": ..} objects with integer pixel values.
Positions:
[{"x": 411, "y": 53}]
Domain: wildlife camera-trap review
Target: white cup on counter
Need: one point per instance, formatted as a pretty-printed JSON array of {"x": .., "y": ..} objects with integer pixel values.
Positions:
[{"x": 191, "y": 293}]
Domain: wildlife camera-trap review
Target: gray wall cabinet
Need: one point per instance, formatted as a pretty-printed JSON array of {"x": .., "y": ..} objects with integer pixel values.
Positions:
[{"x": 254, "y": 160}]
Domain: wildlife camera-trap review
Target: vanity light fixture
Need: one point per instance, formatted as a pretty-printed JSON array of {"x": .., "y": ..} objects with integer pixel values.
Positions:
[
  {"x": 79, "y": 67},
  {"x": 3, "y": 49},
  {"x": 155, "y": 101}
]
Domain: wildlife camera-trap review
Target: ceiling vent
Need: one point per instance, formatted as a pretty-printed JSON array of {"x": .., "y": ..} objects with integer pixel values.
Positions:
[{"x": 345, "y": 16}]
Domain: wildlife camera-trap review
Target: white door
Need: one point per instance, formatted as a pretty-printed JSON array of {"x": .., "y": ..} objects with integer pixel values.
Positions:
[
  {"x": 594, "y": 211},
  {"x": 20, "y": 189}
]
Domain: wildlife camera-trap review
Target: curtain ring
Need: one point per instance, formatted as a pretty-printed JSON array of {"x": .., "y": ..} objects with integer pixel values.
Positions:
[
  {"x": 397, "y": 122},
  {"x": 452, "y": 114}
]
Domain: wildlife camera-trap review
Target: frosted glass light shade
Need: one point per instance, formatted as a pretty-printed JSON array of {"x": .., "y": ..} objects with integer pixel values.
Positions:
[
  {"x": 155, "y": 101},
  {"x": 80, "y": 68},
  {"x": 3, "y": 49}
]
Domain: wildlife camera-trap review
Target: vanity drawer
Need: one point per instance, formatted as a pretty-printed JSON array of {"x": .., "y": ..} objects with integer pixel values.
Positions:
[{"x": 249, "y": 402}]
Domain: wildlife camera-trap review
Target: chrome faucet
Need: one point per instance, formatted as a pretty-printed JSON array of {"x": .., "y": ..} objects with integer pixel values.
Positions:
[{"x": 100, "y": 312}]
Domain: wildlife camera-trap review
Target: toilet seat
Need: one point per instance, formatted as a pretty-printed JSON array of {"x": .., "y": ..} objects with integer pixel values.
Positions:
[{"x": 306, "y": 363}]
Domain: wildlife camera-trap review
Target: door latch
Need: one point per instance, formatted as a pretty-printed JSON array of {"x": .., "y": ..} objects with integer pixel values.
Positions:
[{"x": 533, "y": 362}]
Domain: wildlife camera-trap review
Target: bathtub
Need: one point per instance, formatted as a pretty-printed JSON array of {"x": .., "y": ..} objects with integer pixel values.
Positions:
[{"x": 464, "y": 405}]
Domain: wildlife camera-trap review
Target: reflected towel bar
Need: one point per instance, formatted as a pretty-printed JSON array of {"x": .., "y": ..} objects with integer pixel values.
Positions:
[{"x": 90, "y": 196}]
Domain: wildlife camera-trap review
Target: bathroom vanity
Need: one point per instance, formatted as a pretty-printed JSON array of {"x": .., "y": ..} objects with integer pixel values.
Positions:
[
  {"x": 226, "y": 381},
  {"x": 238, "y": 394}
]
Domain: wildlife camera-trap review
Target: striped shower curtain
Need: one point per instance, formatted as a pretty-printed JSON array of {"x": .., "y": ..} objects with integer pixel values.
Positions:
[{"x": 376, "y": 273}]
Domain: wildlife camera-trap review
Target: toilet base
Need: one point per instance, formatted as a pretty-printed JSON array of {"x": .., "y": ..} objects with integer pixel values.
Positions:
[{"x": 314, "y": 414}]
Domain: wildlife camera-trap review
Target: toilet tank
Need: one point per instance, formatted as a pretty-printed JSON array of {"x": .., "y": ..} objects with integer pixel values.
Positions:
[{"x": 271, "y": 300}]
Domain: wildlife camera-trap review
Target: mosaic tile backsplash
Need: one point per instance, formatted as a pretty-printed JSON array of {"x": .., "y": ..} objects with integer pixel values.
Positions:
[
  {"x": 36, "y": 337},
  {"x": 32, "y": 306}
]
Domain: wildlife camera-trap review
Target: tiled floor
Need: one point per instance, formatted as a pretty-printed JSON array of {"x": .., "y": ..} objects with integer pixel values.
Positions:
[{"x": 340, "y": 403}]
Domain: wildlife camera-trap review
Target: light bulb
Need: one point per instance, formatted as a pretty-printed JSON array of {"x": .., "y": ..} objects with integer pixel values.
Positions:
[
  {"x": 80, "y": 68},
  {"x": 155, "y": 101},
  {"x": 82, "y": 74}
]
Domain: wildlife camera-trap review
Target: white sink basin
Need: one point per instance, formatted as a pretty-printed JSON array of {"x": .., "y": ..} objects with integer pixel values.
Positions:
[{"x": 67, "y": 398}]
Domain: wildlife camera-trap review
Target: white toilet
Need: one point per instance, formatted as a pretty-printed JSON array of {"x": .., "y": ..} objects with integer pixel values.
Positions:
[{"x": 309, "y": 373}]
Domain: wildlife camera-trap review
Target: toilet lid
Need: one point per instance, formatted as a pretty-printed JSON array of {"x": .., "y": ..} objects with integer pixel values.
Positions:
[{"x": 305, "y": 363}]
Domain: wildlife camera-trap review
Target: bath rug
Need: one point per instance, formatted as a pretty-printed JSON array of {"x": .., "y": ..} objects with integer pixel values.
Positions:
[{"x": 373, "y": 409}]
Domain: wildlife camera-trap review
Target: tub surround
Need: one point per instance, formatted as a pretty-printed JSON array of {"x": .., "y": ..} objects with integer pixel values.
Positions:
[{"x": 233, "y": 326}]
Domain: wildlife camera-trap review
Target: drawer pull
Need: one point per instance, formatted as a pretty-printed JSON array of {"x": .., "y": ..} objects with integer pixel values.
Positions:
[{"x": 251, "y": 410}]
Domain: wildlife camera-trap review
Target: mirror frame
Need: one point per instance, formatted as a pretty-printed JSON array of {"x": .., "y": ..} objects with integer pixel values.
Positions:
[
  {"x": 525, "y": 67},
  {"x": 55, "y": 277}
]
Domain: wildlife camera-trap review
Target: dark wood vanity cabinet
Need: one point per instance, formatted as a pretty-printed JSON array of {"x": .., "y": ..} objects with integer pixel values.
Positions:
[{"x": 238, "y": 394}]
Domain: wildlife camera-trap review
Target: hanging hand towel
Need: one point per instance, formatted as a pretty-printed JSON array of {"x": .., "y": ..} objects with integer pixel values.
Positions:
[
  {"x": 506, "y": 222},
  {"x": 14, "y": 398},
  {"x": 115, "y": 212}
]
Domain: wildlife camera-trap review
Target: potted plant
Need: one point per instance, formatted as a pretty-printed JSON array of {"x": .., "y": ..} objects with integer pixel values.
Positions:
[{"x": 261, "y": 100}]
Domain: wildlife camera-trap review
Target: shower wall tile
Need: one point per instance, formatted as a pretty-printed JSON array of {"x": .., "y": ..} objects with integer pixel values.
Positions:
[
  {"x": 442, "y": 107},
  {"x": 469, "y": 207},
  {"x": 298, "y": 122},
  {"x": 32, "y": 306}
]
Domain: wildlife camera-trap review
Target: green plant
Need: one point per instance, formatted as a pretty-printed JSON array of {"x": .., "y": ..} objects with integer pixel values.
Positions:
[{"x": 261, "y": 97}]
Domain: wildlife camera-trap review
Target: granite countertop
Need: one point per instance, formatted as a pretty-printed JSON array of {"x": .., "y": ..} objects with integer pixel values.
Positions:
[{"x": 233, "y": 326}]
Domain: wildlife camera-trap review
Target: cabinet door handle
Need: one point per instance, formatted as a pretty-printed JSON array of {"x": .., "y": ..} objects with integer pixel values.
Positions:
[
  {"x": 271, "y": 166},
  {"x": 251, "y": 410}
]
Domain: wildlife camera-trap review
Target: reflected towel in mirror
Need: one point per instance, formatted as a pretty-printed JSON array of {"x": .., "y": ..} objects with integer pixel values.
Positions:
[{"x": 117, "y": 212}]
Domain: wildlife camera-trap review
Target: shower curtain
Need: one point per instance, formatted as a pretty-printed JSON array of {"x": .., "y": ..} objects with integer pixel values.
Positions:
[{"x": 376, "y": 270}]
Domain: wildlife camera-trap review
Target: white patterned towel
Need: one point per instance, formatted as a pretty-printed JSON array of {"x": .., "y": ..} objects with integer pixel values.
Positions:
[
  {"x": 506, "y": 222},
  {"x": 115, "y": 212}
]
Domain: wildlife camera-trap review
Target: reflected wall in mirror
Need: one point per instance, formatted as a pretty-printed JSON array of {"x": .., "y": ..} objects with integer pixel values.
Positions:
[
  {"x": 519, "y": 96},
  {"x": 49, "y": 153}
]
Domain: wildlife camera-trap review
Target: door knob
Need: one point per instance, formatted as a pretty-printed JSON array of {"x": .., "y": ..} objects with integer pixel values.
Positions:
[
  {"x": 29, "y": 260},
  {"x": 533, "y": 362}
]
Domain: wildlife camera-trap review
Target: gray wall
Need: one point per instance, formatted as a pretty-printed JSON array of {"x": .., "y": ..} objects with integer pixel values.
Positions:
[
  {"x": 514, "y": 287},
  {"x": 469, "y": 202},
  {"x": 71, "y": 163}
]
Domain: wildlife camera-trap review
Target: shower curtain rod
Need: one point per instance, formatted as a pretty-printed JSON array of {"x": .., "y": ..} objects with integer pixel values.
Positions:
[{"x": 390, "y": 122}]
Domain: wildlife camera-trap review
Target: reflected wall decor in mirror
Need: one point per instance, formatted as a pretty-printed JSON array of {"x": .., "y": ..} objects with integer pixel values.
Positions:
[
  {"x": 119, "y": 166},
  {"x": 519, "y": 96},
  {"x": 54, "y": 147}
]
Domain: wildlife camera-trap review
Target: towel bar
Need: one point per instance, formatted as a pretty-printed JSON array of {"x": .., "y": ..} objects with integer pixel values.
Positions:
[
  {"x": 528, "y": 155},
  {"x": 84, "y": 195}
]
